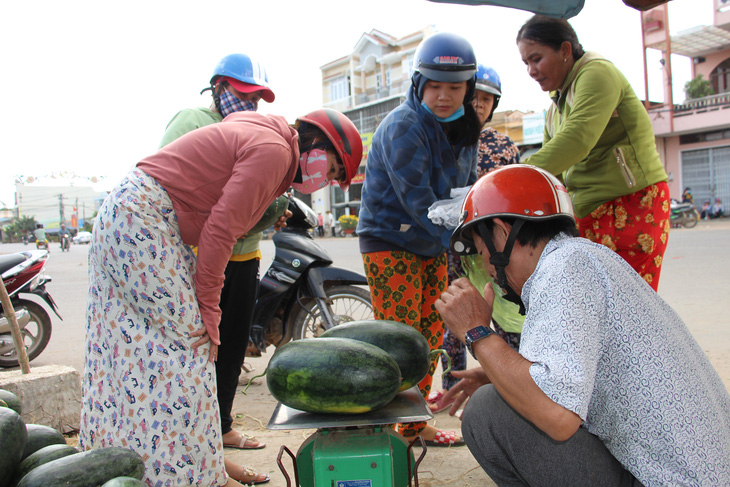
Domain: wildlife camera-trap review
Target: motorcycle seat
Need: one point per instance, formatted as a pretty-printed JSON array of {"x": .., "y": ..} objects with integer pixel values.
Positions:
[{"x": 9, "y": 261}]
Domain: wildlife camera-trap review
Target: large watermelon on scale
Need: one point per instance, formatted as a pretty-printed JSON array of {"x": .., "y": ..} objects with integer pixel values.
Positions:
[
  {"x": 404, "y": 343},
  {"x": 333, "y": 375}
]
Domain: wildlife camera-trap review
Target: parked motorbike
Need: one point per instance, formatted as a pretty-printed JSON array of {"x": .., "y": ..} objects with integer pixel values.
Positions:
[
  {"x": 684, "y": 214},
  {"x": 22, "y": 273},
  {"x": 302, "y": 294},
  {"x": 65, "y": 239}
]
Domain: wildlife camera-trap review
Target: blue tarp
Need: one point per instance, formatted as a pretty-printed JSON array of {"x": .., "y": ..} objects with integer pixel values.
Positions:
[{"x": 554, "y": 8}]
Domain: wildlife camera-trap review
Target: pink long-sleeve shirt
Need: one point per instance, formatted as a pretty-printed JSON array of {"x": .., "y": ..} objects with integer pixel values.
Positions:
[{"x": 221, "y": 178}]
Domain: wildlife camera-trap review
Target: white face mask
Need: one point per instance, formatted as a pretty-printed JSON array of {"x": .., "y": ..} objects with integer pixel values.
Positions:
[{"x": 313, "y": 164}]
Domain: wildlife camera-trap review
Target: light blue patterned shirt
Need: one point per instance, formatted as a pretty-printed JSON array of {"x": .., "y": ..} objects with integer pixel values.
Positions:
[{"x": 607, "y": 347}]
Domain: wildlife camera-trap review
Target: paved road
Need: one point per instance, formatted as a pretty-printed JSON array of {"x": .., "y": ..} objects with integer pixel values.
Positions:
[{"x": 695, "y": 281}]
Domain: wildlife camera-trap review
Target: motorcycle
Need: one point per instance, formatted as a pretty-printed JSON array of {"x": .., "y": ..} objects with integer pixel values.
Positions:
[
  {"x": 22, "y": 273},
  {"x": 684, "y": 214},
  {"x": 65, "y": 240},
  {"x": 301, "y": 294},
  {"x": 41, "y": 244}
]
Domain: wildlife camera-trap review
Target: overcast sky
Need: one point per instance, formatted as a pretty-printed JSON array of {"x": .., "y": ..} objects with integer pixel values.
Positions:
[{"x": 87, "y": 87}]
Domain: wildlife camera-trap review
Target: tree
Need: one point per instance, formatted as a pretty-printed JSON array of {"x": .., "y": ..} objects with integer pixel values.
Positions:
[
  {"x": 22, "y": 226},
  {"x": 697, "y": 88}
]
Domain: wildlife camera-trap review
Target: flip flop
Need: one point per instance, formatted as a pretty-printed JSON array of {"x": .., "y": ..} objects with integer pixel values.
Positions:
[
  {"x": 445, "y": 438},
  {"x": 251, "y": 475},
  {"x": 241, "y": 445}
]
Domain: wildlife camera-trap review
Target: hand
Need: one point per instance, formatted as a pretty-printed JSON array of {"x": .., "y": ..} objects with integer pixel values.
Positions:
[
  {"x": 471, "y": 380},
  {"x": 281, "y": 222},
  {"x": 462, "y": 307},
  {"x": 205, "y": 338}
]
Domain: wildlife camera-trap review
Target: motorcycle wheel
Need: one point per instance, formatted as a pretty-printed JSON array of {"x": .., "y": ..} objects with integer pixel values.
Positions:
[
  {"x": 348, "y": 303},
  {"x": 692, "y": 220},
  {"x": 36, "y": 334}
]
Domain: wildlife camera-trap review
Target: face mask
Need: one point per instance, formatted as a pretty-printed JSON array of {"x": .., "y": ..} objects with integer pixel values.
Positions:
[
  {"x": 232, "y": 104},
  {"x": 313, "y": 164},
  {"x": 454, "y": 116}
]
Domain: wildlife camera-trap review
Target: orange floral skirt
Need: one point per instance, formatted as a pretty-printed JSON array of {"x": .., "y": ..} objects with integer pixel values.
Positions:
[
  {"x": 404, "y": 288},
  {"x": 635, "y": 226}
]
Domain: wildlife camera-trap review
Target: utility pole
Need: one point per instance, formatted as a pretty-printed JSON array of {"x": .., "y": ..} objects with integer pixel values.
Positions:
[{"x": 60, "y": 208}]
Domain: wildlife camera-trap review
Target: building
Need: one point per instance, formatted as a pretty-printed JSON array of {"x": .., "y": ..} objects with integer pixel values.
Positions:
[
  {"x": 366, "y": 85},
  {"x": 693, "y": 137},
  {"x": 66, "y": 200}
]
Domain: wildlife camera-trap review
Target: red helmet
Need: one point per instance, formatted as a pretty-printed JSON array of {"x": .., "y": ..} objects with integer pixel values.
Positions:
[
  {"x": 344, "y": 136},
  {"x": 516, "y": 191}
]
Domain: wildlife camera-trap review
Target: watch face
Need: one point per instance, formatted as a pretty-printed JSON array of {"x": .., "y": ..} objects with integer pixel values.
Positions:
[{"x": 478, "y": 332}]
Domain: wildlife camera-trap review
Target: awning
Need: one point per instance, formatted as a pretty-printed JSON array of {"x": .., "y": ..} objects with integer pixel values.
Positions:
[
  {"x": 554, "y": 8},
  {"x": 698, "y": 41}
]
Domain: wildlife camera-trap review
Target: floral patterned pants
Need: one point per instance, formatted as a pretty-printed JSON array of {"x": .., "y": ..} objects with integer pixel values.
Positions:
[
  {"x": 404, "y": 288},
  {"x": 635, "y": 226}
]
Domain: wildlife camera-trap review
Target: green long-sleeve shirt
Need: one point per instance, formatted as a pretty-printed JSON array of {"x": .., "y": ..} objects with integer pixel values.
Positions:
[{"x": 598, "y": 137}]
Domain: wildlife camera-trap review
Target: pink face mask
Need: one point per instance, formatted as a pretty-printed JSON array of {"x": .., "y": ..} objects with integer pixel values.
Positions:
[{"x": 314, "y": 171}]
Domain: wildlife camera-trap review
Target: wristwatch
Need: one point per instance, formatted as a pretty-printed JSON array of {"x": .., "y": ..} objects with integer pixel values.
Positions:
[{"x": 476, "y": 334}]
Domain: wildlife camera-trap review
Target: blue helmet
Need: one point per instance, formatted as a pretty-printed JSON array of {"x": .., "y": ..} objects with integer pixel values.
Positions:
[
  {"x": 445, "y": 57},
  {"x": 488, "y": 81},
  {"x": 240, "y": 67}
]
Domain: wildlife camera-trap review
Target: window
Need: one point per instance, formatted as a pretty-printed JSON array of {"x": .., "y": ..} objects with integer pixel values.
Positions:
[
  {"x": 720, "y": 77},
  {"x": 378, "y": 81},
  {"x": 339, "y": 88},
  {"x": 387, "y": 77},
  {"x": 408, "y": 65}
]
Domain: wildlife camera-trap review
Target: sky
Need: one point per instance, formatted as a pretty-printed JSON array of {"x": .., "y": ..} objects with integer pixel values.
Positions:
[{"x": 88, "y": 86}]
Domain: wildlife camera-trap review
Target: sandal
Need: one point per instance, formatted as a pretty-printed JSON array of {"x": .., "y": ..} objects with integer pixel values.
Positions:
[
  {"x": 441, "y": 438},
  {"x": 445, "y": 438},
  {"x": 251, "y": 477},
  {"x": 245, "y": 443}
]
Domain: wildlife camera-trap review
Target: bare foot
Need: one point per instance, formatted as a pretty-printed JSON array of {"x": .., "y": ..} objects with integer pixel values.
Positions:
[{"x": 236, "y": 439}]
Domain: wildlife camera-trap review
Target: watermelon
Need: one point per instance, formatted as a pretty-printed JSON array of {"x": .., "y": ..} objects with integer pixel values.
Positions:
[
  {"x": 40, "y": 436},
  {"x": 42, "y": 456},
  {"x": 124, "y": 482},
  {"x": 333, "y": 375},
  {"x": 404, "y": 343},
  {"x": 90, "y": 468},
  {"x": 11, "y": 400},
  {"x": 12, "y": 442}
]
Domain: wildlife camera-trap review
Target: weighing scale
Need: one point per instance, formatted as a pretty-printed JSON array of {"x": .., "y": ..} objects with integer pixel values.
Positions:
[{"x": 354, "y": 450}]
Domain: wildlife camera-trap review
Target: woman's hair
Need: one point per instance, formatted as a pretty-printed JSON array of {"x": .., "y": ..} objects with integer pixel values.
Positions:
[
  {"x": 465, "y": 129},
  {"x": 550, "y": 32},
  {"x": 309, "y": 134}
]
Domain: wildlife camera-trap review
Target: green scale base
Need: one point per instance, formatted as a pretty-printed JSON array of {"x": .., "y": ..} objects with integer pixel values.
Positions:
[{"x": 354, "y": 450}]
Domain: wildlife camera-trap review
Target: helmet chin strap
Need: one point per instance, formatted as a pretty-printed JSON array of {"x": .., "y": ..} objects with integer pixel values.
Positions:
[{"x": 500, "y": 260}]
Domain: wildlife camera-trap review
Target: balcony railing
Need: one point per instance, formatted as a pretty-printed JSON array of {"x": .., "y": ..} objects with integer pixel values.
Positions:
[
  {"x": 372, "y": 95},
  {"x": 712, "y": 102}
]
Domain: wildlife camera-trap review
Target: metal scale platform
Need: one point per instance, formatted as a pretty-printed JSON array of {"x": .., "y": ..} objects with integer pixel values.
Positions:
[{"x": 354, "y": 450}]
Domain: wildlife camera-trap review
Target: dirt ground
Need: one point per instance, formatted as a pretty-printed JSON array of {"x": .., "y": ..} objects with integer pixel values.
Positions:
[{"x": 695, "y": 282}]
